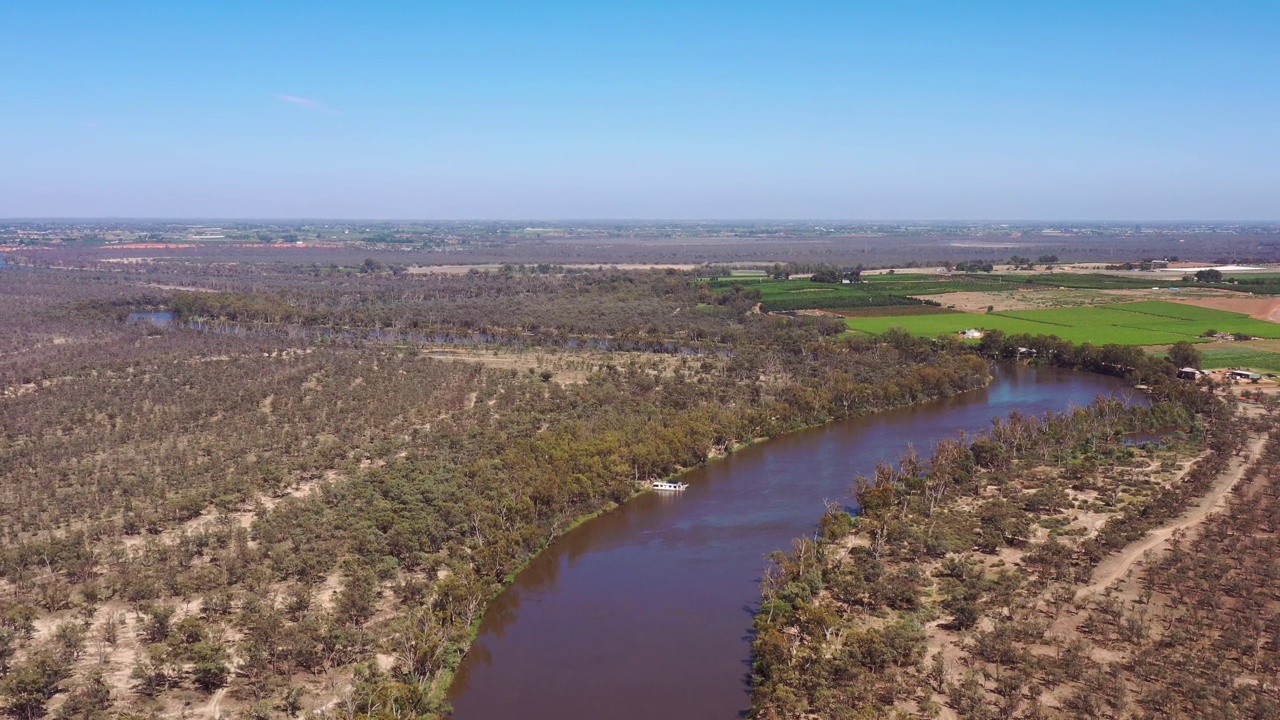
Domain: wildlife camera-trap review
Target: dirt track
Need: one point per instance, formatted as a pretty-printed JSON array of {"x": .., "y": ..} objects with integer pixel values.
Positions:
[
  {"x": 214, "y": 708},
  {"x": 1115, "y": 567}
]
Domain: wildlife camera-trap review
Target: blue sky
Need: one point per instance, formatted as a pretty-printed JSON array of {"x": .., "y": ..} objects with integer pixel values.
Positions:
[{"x": 841, "y": 110}]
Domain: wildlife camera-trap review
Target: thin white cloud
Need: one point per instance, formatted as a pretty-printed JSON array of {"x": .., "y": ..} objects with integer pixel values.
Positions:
[{"x": 307, "y": 103}]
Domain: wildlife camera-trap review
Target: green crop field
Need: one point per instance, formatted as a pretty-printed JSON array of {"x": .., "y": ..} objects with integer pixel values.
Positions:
[
  {"x": 1192, "y": 320},
  {"x": 1174, "y": 310},
  {"x": 1247, "y": 326},
  {"x": 1242, "y": 358},
  {"x": 935, "y": 325},
  {"x": 1152, "y": 323},
  {"x": 894, "y": 311},
  {"x": 877, "y": 291},
  {"x": 1082, "y": 316},
  {"x": 1269, "y": 287},
  {"x": 920, "y": 284},
  {"x": 1098, "y": 281},
  {"x": 1115, "y": 335},
  {"x": 1251, "y": 276},
  {"x": 949, "y": 323},
  {"x": 782, "y": 295},
  {"x": 779, "y": 295},
  {"x": 1255, "y": 283},
  {"x": 899, "y": 276}
]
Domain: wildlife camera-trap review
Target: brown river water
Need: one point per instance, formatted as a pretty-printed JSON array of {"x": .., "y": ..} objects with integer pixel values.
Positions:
[{"x": 645, "y": 612}]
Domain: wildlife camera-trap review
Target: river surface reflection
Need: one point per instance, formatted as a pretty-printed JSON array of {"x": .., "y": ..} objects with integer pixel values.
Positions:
[{"x": 645, "y": 612}]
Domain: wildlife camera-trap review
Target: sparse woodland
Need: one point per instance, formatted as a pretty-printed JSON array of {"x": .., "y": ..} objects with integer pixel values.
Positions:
[
  {"x": 273, "y": 508},
  {"x": 959, "y": 590}
]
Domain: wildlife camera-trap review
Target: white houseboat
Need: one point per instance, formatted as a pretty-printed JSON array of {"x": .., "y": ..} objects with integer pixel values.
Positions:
[{"x": 664, "y": 485}]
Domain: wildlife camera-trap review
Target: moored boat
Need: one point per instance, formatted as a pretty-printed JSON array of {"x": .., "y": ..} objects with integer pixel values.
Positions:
[{"x": 664, "y": 485}]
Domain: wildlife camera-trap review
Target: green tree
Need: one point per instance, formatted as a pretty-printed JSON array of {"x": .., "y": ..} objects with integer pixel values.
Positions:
[
  {"x": 158, "y": 621},
  {"x": 356, "y": 601},
  {"x": 1184, "y": 354},
  {"x": 91, "y": 700},
  {"x": 29, "y": 686},
  {"x": 210, "y": 670}
]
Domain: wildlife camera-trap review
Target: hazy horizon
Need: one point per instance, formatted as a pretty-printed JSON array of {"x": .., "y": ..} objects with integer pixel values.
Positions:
[
  {"x": 1119, "y": 113},
  {"x": 943, "y": 222}
]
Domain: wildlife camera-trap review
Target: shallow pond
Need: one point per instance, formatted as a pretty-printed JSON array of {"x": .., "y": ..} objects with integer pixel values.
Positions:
[{"x": 156, "y": 317}]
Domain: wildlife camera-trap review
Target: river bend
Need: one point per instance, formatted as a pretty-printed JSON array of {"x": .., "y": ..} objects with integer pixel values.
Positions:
[{"x": 645, "y": 612}]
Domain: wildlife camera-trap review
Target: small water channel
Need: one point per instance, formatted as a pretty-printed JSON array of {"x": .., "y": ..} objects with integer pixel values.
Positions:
[
  {"x": 646, "y": 612},
  {"x": 154, "y": 317}
]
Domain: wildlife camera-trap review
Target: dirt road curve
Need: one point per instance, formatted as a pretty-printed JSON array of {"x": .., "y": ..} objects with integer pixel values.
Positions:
[
  {"x": 1115, "y": 567},
  {"x": 214, "y": 708}
]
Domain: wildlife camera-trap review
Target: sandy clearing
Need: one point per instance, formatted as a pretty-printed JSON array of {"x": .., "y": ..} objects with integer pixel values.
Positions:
[
  {"x": 567, "y": 366},
  {"x": 210, "y": 517},
  {"x": 330, "y": 587},
  {"x": 179, "y": 288},
  {"x": 1116, "y": 566},
  {"x": 977, "y": 302},
  {"x": 940, "y": 640},
  {"x": 557, "y": 363},
  {"x": 1024, "y": 298}
]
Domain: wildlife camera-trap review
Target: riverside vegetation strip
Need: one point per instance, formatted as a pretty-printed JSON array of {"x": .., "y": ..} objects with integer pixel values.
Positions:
[
  {"x": 268, "y": 520},
  {"x": 955, "y": 590}
]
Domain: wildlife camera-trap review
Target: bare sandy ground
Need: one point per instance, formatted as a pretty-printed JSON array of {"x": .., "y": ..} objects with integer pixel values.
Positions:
[
  {"x": 567, "y": 366},
  {"x": 566, "y": 373},
  {"x": 1117, "y": 566},
  {"x": 978, "y": 302},
  {"x": 1040, "y": 297}
]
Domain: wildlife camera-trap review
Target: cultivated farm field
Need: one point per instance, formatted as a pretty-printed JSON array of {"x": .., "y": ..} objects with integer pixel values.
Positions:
[
  {"x": 1097, "y": 281},
  {"x": 1243, "y": 358},
  {"x": 1141, "y": 323},
  {"x": 1177, "y": 311},
  {"x": 875, "y": 291},
  {"x": 892, "y": 311}
]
